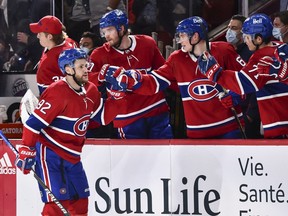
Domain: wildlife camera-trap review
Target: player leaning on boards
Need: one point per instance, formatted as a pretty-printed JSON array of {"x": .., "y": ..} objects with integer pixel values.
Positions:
[
  {"x": 271, "y": 94},
  {"x": 55, "y": 134},
  {"x": 146, "y": 116},
  {"x": 204, "y": 114}
]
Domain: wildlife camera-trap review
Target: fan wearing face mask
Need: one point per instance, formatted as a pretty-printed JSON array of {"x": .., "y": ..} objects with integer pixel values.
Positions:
[
  {"x": 235, "y": 37},
  {"x": 249, "y": 106},
  {"x": 280, "y": 26}
]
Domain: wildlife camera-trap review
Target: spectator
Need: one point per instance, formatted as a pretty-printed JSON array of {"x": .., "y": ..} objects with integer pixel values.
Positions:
[
  {"x": 280, "y": 26},
  {"x": 89, "y": 42},
  {"x": 271, "y": 94},
  {"x": 27, "y": 51},
  {"x": 85, "y": 16},
  {"x": 145, "y": 116},
  {"x": 4, "y": 53},
  {"x": 205, "y": 116}
]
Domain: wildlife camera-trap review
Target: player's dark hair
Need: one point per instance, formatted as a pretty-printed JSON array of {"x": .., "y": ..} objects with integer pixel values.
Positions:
[
  {"x": 239, "y": 17},
  {"x": 265, "y": 40}
]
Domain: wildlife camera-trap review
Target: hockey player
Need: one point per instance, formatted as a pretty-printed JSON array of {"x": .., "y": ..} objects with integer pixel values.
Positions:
[
  {"x": 55, "y": 134},
  {"x": 204, "y": 114},
  {"x": 271, "y": 94},
  {"x": 52, "y": 38},
  {"x": 146, "y": 116}
]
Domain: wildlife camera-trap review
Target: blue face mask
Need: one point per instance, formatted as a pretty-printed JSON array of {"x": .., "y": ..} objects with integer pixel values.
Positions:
[
  {"x": 231, "y": 36},
  {"x": 277, "y": 33}
]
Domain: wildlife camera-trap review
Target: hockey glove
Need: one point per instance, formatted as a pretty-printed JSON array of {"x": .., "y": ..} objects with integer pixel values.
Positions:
[
  {"x": 209, "y": 67},
  {"x": 268, "y": 66},
  {"x": 116, "y": 94},
  {"x": 25, "y": 160},
  {"x": 109, "y": 73},
  {"x": 230, "y": 99},
  {"x": 130, "y": 80},
  {"x": 281, "y": 54}
]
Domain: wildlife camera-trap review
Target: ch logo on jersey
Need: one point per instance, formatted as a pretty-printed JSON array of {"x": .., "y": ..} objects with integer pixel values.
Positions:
[
  {"x": 202, "y": 90},
  {"x": 81, "y": 125}
]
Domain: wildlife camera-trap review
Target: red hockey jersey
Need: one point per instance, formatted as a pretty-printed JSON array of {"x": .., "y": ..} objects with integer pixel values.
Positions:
[
  {"x": 205, "y": 116},
  {"x": 48, "y": 70},
  {"x": 272, "y": 96},
  {"x": 143, "y": 55},
  {"x": 61, "y": 119}
]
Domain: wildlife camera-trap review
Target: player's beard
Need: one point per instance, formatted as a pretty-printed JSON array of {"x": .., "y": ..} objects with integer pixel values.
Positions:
[{"x": 81, "y": 80}]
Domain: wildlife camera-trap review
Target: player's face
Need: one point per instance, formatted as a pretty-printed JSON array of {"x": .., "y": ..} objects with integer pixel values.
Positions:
[
  {"x": 81, "y": 70},
  {"x": 183, "y": 39},
  {"x": 111, "y": 35},
  {"x": 43, "y": 39}
]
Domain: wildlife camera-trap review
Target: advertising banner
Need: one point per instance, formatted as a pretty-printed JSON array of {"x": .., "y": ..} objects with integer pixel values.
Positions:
[{"x": 179, "y": 179}]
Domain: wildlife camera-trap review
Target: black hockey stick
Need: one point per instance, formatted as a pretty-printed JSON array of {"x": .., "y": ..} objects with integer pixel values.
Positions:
[{"x": 47, "y": 190}]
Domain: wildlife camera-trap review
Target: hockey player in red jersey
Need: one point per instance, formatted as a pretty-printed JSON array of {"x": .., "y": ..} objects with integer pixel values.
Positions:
[
  {"x": 55, "y": 134},
  {"x": 146, "y": 116},
  {"x": 271, "y": 94},
  {"x": 204, "y": 114},
  {"x": 52, "y": 38}
]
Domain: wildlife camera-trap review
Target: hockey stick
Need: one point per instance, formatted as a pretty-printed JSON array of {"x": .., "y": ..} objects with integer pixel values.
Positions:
[{"x": 47, "y": 190}]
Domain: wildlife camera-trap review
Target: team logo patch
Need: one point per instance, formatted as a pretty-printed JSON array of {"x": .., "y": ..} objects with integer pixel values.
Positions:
[
  {"x": 81, "y": 125},
  {"x": 202, "y": 90}
]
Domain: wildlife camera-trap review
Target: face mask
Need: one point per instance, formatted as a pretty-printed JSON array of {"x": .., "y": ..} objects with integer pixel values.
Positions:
[
  {"x": 231, "y": 36},
  {"x": 85, "y": 49},
  {"x": 277, "y": 33}
]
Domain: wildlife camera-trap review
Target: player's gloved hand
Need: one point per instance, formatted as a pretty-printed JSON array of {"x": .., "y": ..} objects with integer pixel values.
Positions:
[
  {"x": 268, "y": 66},
  {"x": 130, "y": 80},
  {"x": 116, "y": 94},
  {"x": 281, "y": 54},
  {"x": 109, "y": 73},
  {"x": 230, "y": 99},
  {"x": 25, "y": 159},
  {"x": 209, "y": 66}
]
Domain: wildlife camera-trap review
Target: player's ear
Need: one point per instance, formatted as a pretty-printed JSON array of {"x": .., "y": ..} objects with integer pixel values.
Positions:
[{"x": 69, "y": 70}]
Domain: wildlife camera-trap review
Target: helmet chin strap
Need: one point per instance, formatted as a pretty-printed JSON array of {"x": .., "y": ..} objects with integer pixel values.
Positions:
[
  {"x": 120, "y": 40},
  {"x": 193, "y": 47},
  {"x": 74, "y": 78}
]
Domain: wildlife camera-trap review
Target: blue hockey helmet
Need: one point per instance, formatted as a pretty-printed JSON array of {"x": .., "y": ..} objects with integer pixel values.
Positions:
[
  {"x": 69, "y": 56},
  {"x": 115, "y": 18},
  {"x": 191, "y": 25},
  {"x": 258, "y": 24}
]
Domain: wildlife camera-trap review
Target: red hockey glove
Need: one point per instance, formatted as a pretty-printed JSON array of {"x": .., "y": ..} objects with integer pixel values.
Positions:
[
  {"x": 209, "y": 67},
  {"x": 230, "y": 99},
  {"x": 268, "y": 66},
  {"x": 116, "y": 94},
  {"x": 25, "y": 159}
]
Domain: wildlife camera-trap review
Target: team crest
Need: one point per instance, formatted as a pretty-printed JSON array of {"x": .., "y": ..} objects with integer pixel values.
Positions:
[
  {"x": 81, "y": 125},
  {"x": 202, "y": 90}
]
